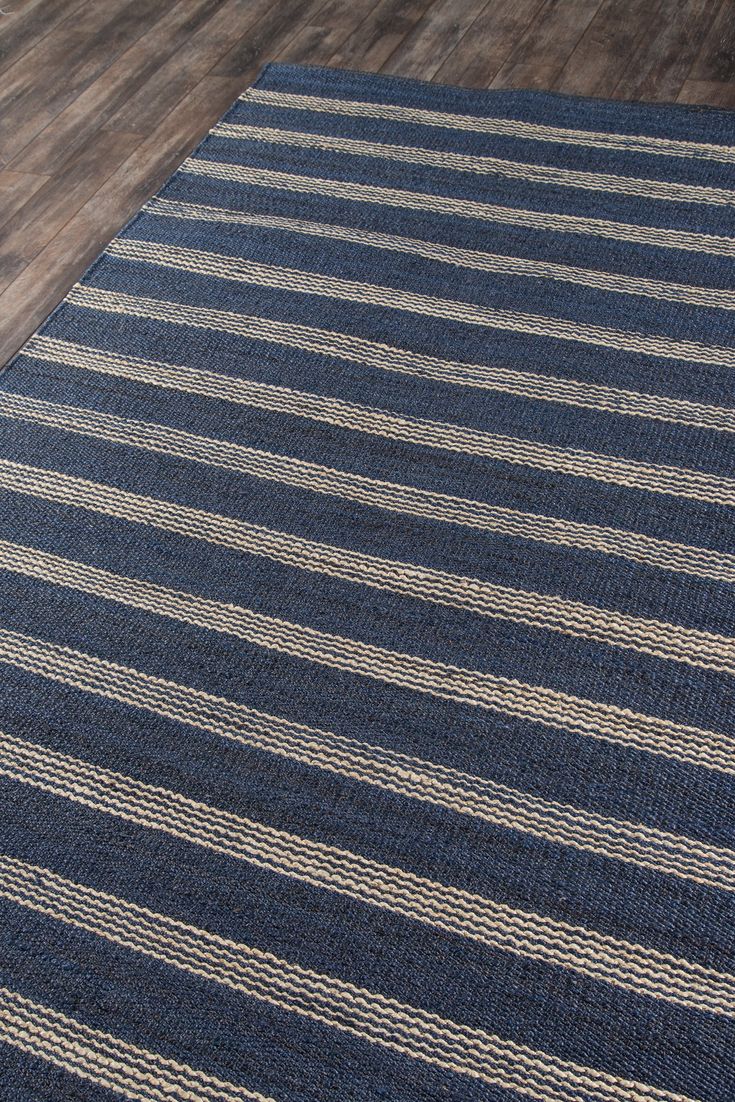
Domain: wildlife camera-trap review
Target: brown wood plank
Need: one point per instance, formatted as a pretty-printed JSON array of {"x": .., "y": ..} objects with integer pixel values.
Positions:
[
  {"x": 187, "y": 66},
  {"x": 434, "y": 36},
  {"x": 602, "y": 55},
  {"x": 49, "y": 209},
  {"x": 280, "y": 22},
  {"x": 543, "y": 50},
  {"x": 43, "y": 82},
  {"x": 24, "y": 27},
  {"x": 316, "y": 42},
  {"x": 31, "y": 296},
  {"x": 373, "y": 42},
  {"x": 715, "y": 61},
  {"x": 16, "y": 189},
  {"x": 115, "y": 87},
  {"x": 661, "y": 64},
  {"x": 711, "y": 92},
  {"x": 488, "y": 43}
]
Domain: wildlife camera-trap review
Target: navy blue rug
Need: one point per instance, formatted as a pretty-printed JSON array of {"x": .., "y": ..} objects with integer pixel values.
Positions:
[{"x": 366, "y": 640}]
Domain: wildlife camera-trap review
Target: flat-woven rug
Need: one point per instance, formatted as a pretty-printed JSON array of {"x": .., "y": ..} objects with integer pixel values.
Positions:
[{"x": 366, "y": 616}]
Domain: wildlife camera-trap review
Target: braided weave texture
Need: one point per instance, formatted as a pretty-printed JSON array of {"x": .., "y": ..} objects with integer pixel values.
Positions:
[{"x": 367, "y": 616}]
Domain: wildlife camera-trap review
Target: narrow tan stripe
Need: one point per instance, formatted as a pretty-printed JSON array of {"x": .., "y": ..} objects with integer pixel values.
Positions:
[
  {"x": 460, "y": 258},
  {"x": 344, "y": 484},
  {"x": 511, "y": 128},
  {"x": 409, "y": 777},
  {"x": 108, "y": 1061},
  {"x": 697, "y": 648},
  {"x": 368, "y": 1015},
  {"x": 547, "y": 221},
  {"x": 493, "y": 166},
  {"x": 385, "y": 357},
  {"x": 315, "y": 283},
  {"x": 465, "y": 440},
  {"x": 476, "y": 688},
  {"x": 624, "y": 964}
]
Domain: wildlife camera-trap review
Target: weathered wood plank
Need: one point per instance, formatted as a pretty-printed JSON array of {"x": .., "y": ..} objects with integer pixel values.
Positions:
[
  {"x": 542, "y": 51},
  {"x": 318, "y": 41},
  {"x": 424, "y": 48},
  {"x": 661, "y": 64},
  {"x": 373, "y": 42},
  {"x": 116, "y": 87},
  {"x": 601, "y": 57},
  {"x": 48, "y": 78},
  {"x": 51, "y": 206},
  {"x": 488, "y": 43}
]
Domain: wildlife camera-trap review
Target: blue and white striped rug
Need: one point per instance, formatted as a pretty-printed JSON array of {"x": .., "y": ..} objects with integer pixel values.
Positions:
[{"x": 366, "y": 637}]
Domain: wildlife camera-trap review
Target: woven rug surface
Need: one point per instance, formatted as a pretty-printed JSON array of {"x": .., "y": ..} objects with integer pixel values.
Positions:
[{"x": 366, "y": 616}]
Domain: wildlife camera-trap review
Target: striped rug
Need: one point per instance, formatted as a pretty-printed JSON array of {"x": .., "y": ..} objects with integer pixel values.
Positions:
[{"x": 367, "y": 634}]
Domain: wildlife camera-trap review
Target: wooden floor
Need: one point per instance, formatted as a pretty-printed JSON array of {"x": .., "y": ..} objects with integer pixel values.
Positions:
[{"x": 101, "y": 99}]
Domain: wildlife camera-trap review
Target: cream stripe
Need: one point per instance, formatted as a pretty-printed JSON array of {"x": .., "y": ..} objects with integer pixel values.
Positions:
[
  {"x": 315, "y": 283},
  {"x": 697, "y": 648},
  {"x": 108, "y": 1061},
  {"x": 548, "y": 221},
  {"x": 476, "y": 688},
  {"x": 625, "y": 964},
  {"x": 324, "y": 409},
  {"x": 385, "y": 357},
  {"x": 353, "y": 487},
  {"x": 368, "y": 1015},
  {"x": 461, "y": 258},
  {"x": 511, "y": 128},
  {"x": 493, "y": 166},
  {"x": 409, "y": 777}
]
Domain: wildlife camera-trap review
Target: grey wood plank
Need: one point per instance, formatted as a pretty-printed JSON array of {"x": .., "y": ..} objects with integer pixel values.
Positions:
[
  {"x": 435, "y": 35},
  {"x": 116, "y": 87},
  {"x": 372, "y": 43},
  {"x": 658, "y": 68},
  {"x": 543, "y": 50},
  {"x": 488, "y": 43}
]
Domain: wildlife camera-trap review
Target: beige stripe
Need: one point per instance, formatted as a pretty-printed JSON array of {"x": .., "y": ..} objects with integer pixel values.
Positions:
[
  {"x": 368, "y": 1015},
  {"x": 461, "y": 258},
  {"x": 108, "y": 1061},
  {"x": 476, "y": 688},
  {"x": 700, "y": 649},
  {"x": 315, "y": 283},
  {"x": 409, "y": 777},
  {"x": 548, "y": 221},
  {"x": 625, "y": 964},
  {"x": 511, "y": 128},
  {"x": 385, "y": 357},
  {"x": 493, "y": 166},
  {"x": 343, "y": 484},
  {"x": 629, "y": 473}
]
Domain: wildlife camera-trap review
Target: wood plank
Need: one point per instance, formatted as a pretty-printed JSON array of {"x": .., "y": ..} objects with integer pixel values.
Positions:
[
  {"x": 52, "y": 205},
  {"x": 280, "y": 22},
  {"x": 488, "y": 43},
  {"x": 542, "y": 51},
  {"x": 69, "y": 60},
  {"x": 46, "y": 279},
  {"x": 424, "y": 48},
  {"x": 659, "y": 67},
  {"x": 16, "y": 189},
  {"x": 711, "y": 92},
  {"x": 715, "y": 61},
  {"x": 23, "y": 28},
  {"x": 373, "y": 42},
  {"x": 115, "y": 87},
  {"x": 601, "y": 57},
  {"x": 316, "y": 42},
  {"x": 179, "y": 74}
]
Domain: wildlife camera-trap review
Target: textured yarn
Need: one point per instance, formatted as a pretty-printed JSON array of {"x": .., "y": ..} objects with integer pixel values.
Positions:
[{"x": 367, "y": 627}]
